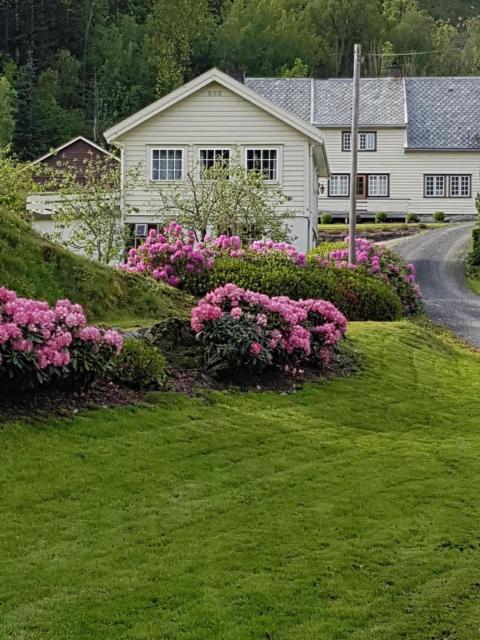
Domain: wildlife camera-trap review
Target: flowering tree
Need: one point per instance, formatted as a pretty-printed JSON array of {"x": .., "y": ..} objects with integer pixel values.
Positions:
[
  {"x": 244, "y": 329},
  {"x": 227, "y": 200}
]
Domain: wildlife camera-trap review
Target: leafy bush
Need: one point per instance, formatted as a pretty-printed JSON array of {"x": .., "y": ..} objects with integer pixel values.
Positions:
[
  {"x": 439, "y": 216},
  {"x": 474, "y": 256},
  {"x": 412, "y": 217},
  {"x": 382, "y": 263},
  {"x": 381, "y": 217},
  {"x": 357, "y": 295},
  {"x": 324, "y": 249},
  {"x": 39, "y": 344},
  {"x": 241, "y": 329},
  {"x": 140, "y": 366},
  {"x": 326, "y": 218}
]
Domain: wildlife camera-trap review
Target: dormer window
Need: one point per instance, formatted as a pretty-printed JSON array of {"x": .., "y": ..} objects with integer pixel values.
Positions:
[{"x": 367, "y": 141}]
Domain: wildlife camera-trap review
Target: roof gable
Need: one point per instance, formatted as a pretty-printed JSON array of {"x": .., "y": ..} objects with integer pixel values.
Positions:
[
  {"x": 72, "y": 142},
  {"x": 214, "y": 75}
]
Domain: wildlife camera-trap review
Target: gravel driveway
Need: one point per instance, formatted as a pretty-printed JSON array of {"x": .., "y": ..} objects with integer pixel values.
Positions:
[{"x": 438, "y": 257}]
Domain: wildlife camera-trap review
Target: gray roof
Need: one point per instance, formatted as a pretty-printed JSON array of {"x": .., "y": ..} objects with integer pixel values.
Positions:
[
  {"x": 292, "y": 94},
  {"x": 443, "y": 113},
  {"x": 439, "y": 113}
]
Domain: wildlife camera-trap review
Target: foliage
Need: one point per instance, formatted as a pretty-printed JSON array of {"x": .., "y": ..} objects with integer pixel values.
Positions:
[
  {"x": 37, "y": 268},
  {"x": 381, "y": 217},
  {"x": 241, "y": 329},
  {"x": 474, "y": 255},
  {"x": 89, "y": 206},
  {"x": 39, "y": 344},
  {"x": 357, "y": 296},
  {"x": 7, "y": 112},
  {"x": 139, "y": 365},
  {"x": 326, "y": 218},
  {"x": 380, "y": 262},
  {"x": 227, "y": 199},
  {"x": 439, "y": 216},
  {"x": 15, "y": 183},
  {"x": 412, "y": 217}
]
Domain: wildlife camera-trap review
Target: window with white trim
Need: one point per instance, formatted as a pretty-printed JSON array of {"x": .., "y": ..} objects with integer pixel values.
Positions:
[
  {"x": 367, "y": 141},
  {"x": 339, "y": 185},
  {"x": 167, "y": 164},
  {"x": 459, "y": 186},
  {"x": 210, "y": 158},
  {"x": 435, "y": 186},
  {"x": 264, "y": 161},
  {"x": 378, "y": 185}
]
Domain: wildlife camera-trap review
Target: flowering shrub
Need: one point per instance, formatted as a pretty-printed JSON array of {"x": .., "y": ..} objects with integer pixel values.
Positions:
[
  {"x": 243, "y": 329},
  {"x": 278, "y": 250},
  {"x": 376, "y": 260},
  {"x": 39, "y": 343}
]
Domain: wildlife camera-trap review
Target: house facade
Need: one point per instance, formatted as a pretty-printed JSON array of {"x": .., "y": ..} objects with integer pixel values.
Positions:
[
  {"x": 419, "y": 141},
  {"x": 216, "y": 118}
]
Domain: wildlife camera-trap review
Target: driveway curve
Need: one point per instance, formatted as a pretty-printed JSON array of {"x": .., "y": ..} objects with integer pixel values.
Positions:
[{"x": 438, "y": 256}]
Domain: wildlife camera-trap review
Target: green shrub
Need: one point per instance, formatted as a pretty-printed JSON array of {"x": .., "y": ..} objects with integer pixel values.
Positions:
[
  {"x": 412, "y": 217},
  {"x": 324, "y": 248},
  {"x": 422, "y": 225},
  {"x": 140, "y": 366},
  {"x": 358, "y": 218},
  {"x": 439, "y": 216},
  {"x": 326, "y": 218},
  {"x": 381, "y": 217},
  {"x": 356, "y": 295},
  {"x": 474, "y": 256}
]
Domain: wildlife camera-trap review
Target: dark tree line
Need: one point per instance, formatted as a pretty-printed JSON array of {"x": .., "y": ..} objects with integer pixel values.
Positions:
[{"x": 70, "y": 67}]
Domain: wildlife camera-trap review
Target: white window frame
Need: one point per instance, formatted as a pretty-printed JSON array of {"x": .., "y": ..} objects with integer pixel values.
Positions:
[
  {"x": 367, "y": 141},
  {"x": 167, "y": 149},
  {"x": 346, "y": 182},
  {"x": 464, "y": 179},
  {"x": 380, "y": 179},
  {"x": 436, "y": 191},
  {"x": 262, "y": 149},
  {"x": 219, "y": 148}
]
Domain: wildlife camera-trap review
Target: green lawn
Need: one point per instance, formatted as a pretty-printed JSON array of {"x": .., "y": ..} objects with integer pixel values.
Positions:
[
  {"x": 349, "y": 510},
  {"x": 384, "y": 226},
  {"x": 474, "y": 284}
]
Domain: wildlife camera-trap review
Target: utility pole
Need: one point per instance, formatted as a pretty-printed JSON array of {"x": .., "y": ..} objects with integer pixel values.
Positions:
[{"x": 352, "y": 221}]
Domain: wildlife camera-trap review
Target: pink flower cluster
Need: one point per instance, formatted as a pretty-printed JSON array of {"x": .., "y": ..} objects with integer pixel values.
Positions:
[
  {"x": 382, "y": 263},
  {"x": 168, "y": 255},
  {"x": 278, "y": 249},
  {"x": 282, "y": 332},
  {"x": 35, "y": 336}
]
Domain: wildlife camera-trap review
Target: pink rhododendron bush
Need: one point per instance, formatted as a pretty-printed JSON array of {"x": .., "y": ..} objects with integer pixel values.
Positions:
[
  {"x": 380, "y": 262},
  {"x": 241, "y": 329},
  {"x": 41, "y": 344},
  {"x": 175, "y": 253}
]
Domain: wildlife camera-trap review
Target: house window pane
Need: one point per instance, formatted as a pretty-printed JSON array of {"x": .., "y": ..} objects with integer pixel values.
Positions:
[
  {"x": 264, "y": 161},
  {"x": 339, "y": 185},
  {"x": 210, "y": 158},
  {"x": 346, "y": 141},
  {"x": 167, "y": 164},
  {"x": 378, "y": 185},
  {"x": 367, "y": 141},
  {"x": 434, "y": 186},
  {"x": 460, "y": 186}
]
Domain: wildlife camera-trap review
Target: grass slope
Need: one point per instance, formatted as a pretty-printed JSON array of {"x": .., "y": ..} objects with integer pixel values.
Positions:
[
  {"x": 348, "y": 510},
  {"x": 35, "y": 267}
]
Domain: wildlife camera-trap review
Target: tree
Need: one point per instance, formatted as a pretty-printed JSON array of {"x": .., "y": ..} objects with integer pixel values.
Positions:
[
  {"x": 7, "y": 112},
  {"x": 227, "y": 200},
  {"x": 180, "y": 30},
  {"x": 89, "y": 206},
  {"x": 471, "y": 52},
  {"x": 15, "y": 184},
  {"x": 265, "y": 37}
]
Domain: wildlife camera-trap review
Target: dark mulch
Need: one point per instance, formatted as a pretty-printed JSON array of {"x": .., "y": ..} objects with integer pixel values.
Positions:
[{"x": 47, "y": 402}]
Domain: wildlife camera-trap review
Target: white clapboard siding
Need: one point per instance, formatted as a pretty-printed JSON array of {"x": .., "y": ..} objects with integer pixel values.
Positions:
[{"x": 406, "y": 169}]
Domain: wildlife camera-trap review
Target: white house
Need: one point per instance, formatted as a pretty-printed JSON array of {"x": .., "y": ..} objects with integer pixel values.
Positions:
[
  {"x": 215, "y": 116},
  {"x": 419, "y": 140}
]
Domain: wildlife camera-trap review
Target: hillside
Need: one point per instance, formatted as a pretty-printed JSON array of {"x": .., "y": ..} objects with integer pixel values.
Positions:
[{"x": 37, "y": 268}]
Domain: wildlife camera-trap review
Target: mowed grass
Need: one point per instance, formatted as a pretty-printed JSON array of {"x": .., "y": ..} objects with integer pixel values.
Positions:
[
  {"x": 348, "y": 510},
  {"x": 380, "y": 226}
]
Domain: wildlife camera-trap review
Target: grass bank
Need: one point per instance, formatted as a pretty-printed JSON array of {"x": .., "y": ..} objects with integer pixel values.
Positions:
[
  {"x": 37, "y": 268},
  {"x": 347, "y": 510}
]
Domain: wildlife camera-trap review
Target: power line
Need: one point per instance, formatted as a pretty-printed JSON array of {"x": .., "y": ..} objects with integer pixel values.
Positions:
[{"x": 411, "y": 53}]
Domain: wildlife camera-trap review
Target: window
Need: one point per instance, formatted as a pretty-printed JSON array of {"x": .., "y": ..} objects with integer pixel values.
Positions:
[
  {"x": 460, "y": 186},
  {"x": 435, "y": 187},
  {"x": 378, "y": 185},
  {"x": 338, "y": 185},
  {"x": 167, "y": 164},
  {"x": 264, "y": 161},
  {"x": 210, "y": 158},
  {"x": 367, "y": 141}
]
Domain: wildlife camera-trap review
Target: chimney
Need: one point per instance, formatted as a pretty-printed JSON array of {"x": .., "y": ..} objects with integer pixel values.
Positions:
[
  {"x": 238, "y": 74},
  {"x": 394, "y": 71}
]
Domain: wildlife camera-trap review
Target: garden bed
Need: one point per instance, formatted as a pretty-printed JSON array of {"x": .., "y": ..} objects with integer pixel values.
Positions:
[{"x": 372, "y": 232}]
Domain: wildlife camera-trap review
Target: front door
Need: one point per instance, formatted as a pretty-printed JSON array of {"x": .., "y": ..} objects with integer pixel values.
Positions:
[{"x": 361, "y": 187}]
